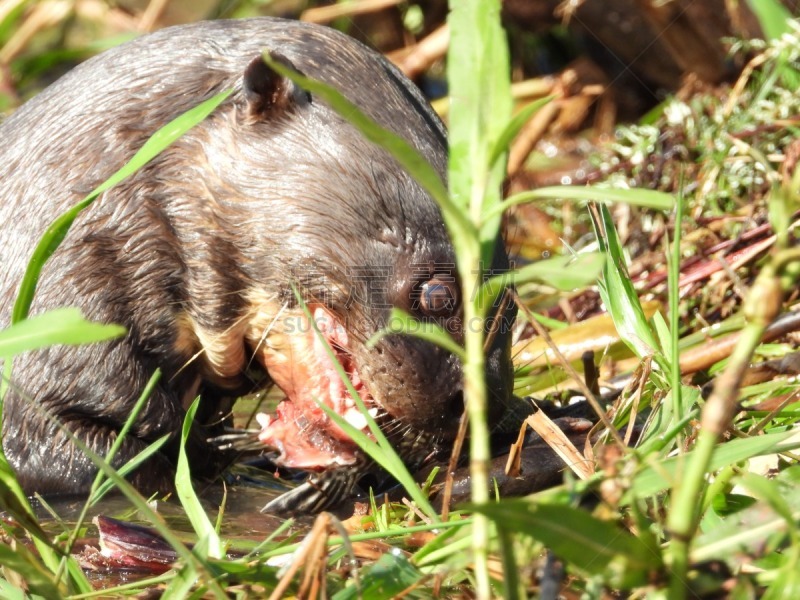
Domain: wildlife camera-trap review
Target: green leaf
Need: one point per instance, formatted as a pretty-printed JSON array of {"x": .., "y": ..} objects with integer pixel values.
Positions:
[
  {"x": 637, "y": 197},
  {"x": 773, "y": 17},
  {"x": 480, "y": 110},
  {"x": 565, "y": 273},
  {"x": 208, "y": 536},
  {"x": 38, "y": 579},
  {"x": 58, "y": 326},
  {"x": 514, "y": 127},
  {"x": 180, "y": 587},
  {"x": 661, "y": 475},
  {"x": 58, "y": 229},
  {"x": 14, "y": 502},
  {"x": 400, "y": 322},
  {"x": 390, "y": 575},
  {"x": 618, "y": 292},
  {"x": 593, "y": 546}
]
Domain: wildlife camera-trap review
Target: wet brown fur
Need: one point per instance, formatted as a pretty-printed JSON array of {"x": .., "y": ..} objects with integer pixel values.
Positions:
[{"x": 196, "y": 251}]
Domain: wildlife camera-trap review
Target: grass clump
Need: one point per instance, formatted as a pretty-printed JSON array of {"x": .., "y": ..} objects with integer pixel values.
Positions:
[{"x": 727, "y": 144}]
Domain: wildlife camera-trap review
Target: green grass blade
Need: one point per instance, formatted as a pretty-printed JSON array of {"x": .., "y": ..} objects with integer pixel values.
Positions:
[
  {"x": 30, "y": 69},
  {"x": 98, "y": 490},
  {"x": 100, "y": 486},
  {"x": 618, "y": 292},
  {"x": 638, "y": 197},
  {"x": 387, "y": 577},
  {"x": 131, "y": 465},
  {"x": 660, "y": 475},
  {"x": 787, "y": 583},
  {"x": 565, "y": 273},
  {"x": 479, "y": 84},
  {"x": 771, "y": 492},
  {"x": 208, "y": 537},
  {"x": 478, "y": 80},
  {"x": 38, "y": 580},
  {"x": 775, "y": 20},
  {"x": 513, "y": 128},
  {"x": 384, "y": 454},
  {"x": 773, "y": 17},
  {"x": 14, "y": 502},
  {"x": 400, "y": 322},
  {"x": 591, "y": 545},
  {"x": 11, "y": 20},
  {"x": 14, "y": 592},
  {"x": 147, "y": 512},
  {"x": 181, "y": 585},
  {"x": 669, "y": 336},
  {"x": 380, "y": 450},
  {"x": 754, "y": 527},
  {"x": 58, "y": 326}
]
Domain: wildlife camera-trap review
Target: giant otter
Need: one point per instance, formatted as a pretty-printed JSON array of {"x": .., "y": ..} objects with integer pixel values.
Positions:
[{"x": 197, "y": 252}]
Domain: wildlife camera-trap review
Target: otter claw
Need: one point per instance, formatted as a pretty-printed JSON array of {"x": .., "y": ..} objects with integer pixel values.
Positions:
[{"x": 319, "y": 492}]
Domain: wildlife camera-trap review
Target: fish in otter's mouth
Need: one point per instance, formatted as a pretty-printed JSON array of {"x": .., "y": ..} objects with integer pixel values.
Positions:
[
  {"x": 300, "y": 361},
  {"x": 410, "y": 386},
  {"x": 300, "y": 431}
]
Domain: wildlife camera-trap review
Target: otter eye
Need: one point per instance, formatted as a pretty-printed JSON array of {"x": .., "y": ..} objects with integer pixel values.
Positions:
[{"x": 438, "y": 297}]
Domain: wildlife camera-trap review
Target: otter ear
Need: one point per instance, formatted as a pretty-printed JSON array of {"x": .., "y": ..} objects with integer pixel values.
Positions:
[{"x": 267, "y": 91}]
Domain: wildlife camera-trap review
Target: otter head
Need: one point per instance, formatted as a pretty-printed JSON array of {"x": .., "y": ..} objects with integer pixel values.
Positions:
[{"x": 337, "y": 218}]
